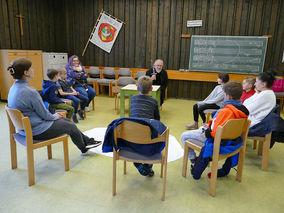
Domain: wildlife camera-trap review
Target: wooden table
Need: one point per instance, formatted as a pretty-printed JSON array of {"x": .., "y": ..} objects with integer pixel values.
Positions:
[{"x": 131, "y": 89}]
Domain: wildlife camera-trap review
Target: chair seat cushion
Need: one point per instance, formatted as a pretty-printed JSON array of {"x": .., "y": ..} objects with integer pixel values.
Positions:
[
  {"x": 22, "y": 139},
  {"x": 137, "y": 156},
  {"x": 91, "y": 80},
  {"x": 104, "y": 81}
]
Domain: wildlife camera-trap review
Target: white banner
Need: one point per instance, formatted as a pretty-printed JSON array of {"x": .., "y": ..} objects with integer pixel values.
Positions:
[{"x": 106, "y": 32}]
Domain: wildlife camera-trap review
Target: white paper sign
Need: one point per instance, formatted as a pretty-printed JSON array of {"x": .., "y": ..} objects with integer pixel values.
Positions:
[
  {"x": 106, "y": 32},
  {"x": 194, "y": 23}
]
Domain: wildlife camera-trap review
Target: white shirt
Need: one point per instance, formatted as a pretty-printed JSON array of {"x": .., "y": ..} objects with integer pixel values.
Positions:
[{"x": 260, "y": 105}]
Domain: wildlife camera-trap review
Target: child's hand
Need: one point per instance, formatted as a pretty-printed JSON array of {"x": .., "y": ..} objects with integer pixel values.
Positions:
[
  {"x": 60, "y": 115},
  {"x": 153, "y": 77}
]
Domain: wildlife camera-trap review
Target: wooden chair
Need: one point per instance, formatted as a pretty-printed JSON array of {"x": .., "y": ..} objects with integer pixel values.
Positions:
[
  {"x": 107, "y": 76},
  {"x": 140, "y": 134},
  {"x": 263, "y": 148},
  {"x": 17, "y": 121},
  {"x": 231, "y": 130}
]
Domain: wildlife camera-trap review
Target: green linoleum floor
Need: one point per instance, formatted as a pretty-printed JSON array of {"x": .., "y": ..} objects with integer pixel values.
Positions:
[{"x": 87, "y": 186}]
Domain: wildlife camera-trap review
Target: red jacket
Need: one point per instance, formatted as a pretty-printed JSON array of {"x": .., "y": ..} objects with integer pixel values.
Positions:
[{"x": 246, "y": 95}]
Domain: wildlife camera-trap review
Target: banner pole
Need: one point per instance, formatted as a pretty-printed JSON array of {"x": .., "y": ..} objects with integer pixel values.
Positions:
[{"x": 92, "y": 32}]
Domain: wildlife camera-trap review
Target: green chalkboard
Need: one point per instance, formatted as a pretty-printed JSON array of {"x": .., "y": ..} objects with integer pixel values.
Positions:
[{"x": 232, "y": 54}]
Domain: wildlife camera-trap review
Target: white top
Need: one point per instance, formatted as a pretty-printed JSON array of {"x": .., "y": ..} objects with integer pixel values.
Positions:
[
  {"x": 134, "y": 87},
  {"x": 260, "y": 105}
]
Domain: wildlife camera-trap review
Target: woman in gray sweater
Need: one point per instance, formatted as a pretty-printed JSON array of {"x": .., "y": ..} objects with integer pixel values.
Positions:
[{"x": 44, "y": 125}]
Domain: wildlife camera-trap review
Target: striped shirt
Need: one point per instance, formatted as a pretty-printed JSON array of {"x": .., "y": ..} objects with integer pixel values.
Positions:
[{"x": 144, "y": 106}]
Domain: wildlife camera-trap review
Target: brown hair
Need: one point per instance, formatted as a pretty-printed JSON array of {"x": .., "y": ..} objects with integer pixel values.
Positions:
[
  {"x": 250, "y": 80},
  {"x": 144, "y": 84},
  {"x": 224, "y": 77},
  {"x": 51, "y": 73},
  {"x": 18, "y": 67},
  {"x": 234, "y": 89}
]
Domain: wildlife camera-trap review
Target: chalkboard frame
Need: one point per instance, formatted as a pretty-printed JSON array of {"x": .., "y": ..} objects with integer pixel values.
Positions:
[{"x": 256, "y": 65}]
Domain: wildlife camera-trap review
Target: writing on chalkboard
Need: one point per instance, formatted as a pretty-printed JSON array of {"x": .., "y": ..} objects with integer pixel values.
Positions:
[{"x": 235, "y": 54}]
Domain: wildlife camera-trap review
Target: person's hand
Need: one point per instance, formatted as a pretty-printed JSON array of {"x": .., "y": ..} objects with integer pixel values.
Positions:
[
  {"x": 153, "y": 77},
  {"x": 74, "y": 93},
  {"x": 59, "y": 115},
  {"x": 205, "y": 126}
]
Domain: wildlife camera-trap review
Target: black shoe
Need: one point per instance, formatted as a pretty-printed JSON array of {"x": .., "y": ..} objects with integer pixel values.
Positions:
[
  {"x": 141, "y": 169},
  {"x": 74, "y": 118},
  {"x": 81, "y": 114},
  {"x": 150, "y": 170},
  {"x": 93, "y": 142}
]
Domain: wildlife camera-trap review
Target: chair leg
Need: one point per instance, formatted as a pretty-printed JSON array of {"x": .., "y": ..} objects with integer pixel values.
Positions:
[
  {"x": 185, "y": 160},
  {"x": 31, "y": 172},
  {"x": 114, "y": 175},
  {"x": 265, "y": 152},
  {"x": 93, "y": 103},
  {"x": 66, "y": 154},
  {"x": 213, "y": 179},
  {"x": 13, "y": 148},
  {"x": 85, "y": 113},
  {"x": 254, "y": 144},
  {"x": 49, "y": 152},
  {"x": 260, "y": 148},
  {"x": 164, "y": 181},
  {"x": 162, "y": 169},
  {"x": 240, "y": 165},
  {"x": 124, "y": 167}
]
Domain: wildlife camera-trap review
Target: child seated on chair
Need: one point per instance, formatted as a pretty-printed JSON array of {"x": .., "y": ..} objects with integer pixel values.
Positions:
[
  {"x": 248, "y": 88},
  {"x": 213, "y": 101},
  {"x": 144, "y": 106},
  {"x": 50, "y": 93},
  {"x": 67, "y": 91},
  {"x": 233, "y": 109}
]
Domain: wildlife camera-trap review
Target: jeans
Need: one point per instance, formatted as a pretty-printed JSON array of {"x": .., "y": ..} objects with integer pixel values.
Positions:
[
  {"x": 90, "y": 94},
  {"x": 200, "y": 110},
  {"x": 78, "y": 99}
]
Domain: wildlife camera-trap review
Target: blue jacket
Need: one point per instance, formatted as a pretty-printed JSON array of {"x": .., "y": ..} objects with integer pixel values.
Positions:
[
  {"x": 50, "y": 92},
  {"x": 156, "y": 127},
  {"x": 267, "y": 125}
]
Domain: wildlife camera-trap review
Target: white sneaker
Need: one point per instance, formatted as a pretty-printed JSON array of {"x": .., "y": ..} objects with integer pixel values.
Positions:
[{"x": 87, "y": 109}]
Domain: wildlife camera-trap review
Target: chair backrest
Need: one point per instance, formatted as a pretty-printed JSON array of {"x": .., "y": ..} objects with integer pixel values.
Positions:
[
  {"x": 123, "y": 81},
  {"x": 17, "y": 121},
  {"x": 94, "y": 72},
  {"x": 137, "y": 133},
  {"x": 124, "y": 72},
  {"x": 139, "y": 74},
  {"x": 109, "y": 72}
]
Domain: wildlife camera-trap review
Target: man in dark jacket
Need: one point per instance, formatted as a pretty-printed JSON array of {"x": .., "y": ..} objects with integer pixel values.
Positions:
[{"x": 159, "y": 77}]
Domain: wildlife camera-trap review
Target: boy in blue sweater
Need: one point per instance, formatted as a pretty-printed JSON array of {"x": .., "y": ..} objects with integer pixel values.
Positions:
[{"x": 50, "y": 93}]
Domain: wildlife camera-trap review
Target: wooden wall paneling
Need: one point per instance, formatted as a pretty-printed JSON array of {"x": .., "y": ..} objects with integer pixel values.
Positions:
[
  {"x": 198, "y": 13},
  {"x": 121, "y": 36},
  {"x": 172, "y": 35},
  {"x": 224, "y": 17},
  {"x": 160, "y": 32},
  {"x": 277, "y": 60},
  {"x": 210, "y": 19},
  {"x": 112, "y": 9},
  {"x": 177, "y": 38},
  {"x": 217, "y": 17},
  {"x": 127, "y": 33},
  {"x": 257, "y": 21},
  {"x": 252, "y": 18},
  {"x": 137, "y": 34},
  {"x": 230, "y": 18},
  {"x": 238, "y": 14},
  {"x": 51, "y": 25},
  {"x": 244, "y": 18},
  {"x": 156, "y": 16},
  {"x": 149, "y": 29},
  {"x": 94, "y": 48},
  {"x": 166, "y": 34},
  {"x": 180, "y": 88},
  {"x": 273, "y": 30},
  {"x": 184, "y": 49},
  {"x": 204, "y": 29},
  {"x": 143, "y": 33},
  {"x": 100, "y": 52},
  {"x": 185, "y": 90},
  {"x": 132, "y": 33},
  {"x": 4, "y": 26},
  {"x": 14, "y": 24}
]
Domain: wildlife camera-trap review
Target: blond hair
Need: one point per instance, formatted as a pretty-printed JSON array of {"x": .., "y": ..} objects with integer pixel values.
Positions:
[
  {"x": 144, "y": 84},
  {"x": 62, "y": 71},
  {"x": 250, "y": 80}
]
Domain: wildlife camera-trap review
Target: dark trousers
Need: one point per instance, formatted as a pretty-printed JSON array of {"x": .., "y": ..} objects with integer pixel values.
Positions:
[
  {"x": 77, "y": 100},
  {"x": 64, "y": 126},
  {"x": 200, "y": 111},
  {"x": 202, "y": 163}
]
